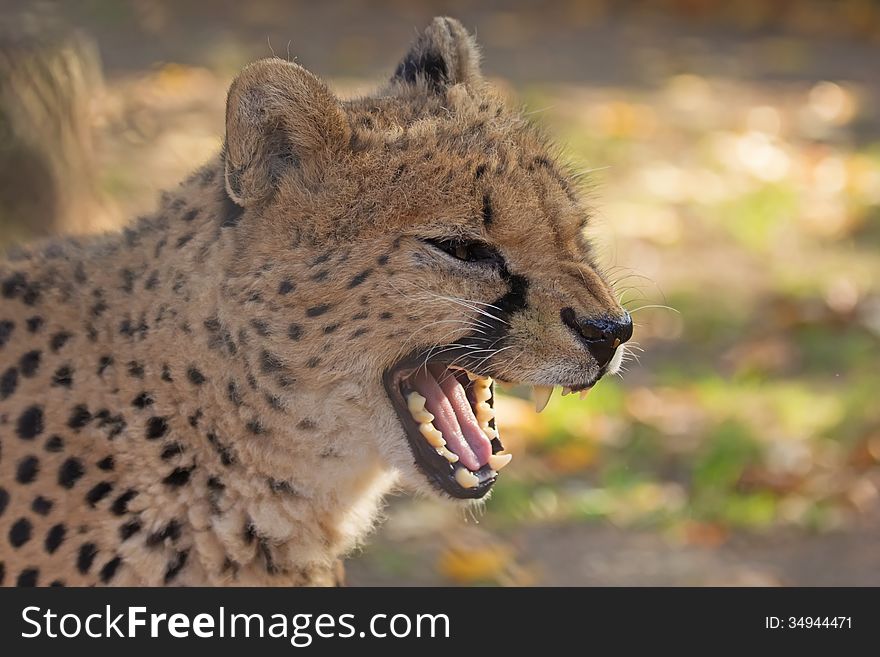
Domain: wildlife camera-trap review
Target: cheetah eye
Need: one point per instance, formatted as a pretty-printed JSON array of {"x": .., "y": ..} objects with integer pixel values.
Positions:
[{"x": 467, "y": 250}]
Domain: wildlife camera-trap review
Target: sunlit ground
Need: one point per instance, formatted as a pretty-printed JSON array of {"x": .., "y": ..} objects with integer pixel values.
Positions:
[{"x": 740, "y": 220}]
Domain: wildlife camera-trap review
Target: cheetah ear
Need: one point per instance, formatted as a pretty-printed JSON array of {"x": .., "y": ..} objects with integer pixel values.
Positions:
[
  {"x": 443, "y": 54},
  {"x": 279, "y": 117}
]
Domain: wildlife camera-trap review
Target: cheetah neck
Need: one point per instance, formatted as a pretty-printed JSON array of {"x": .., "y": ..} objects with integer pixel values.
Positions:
[{"x": 231, "y": 437}]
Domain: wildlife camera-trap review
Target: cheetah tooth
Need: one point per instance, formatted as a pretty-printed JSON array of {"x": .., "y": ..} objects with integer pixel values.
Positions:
[
  {"x": 416, "y": 404},
  {"x": 448, "y": 455},
  {"x": 566, "y": 391},
  {"x": 432, "y": 434},
  {"x": 484, "y": 412},
  {"x": 466, "y": 478},
  {"x": 482, "y": 393},
  {"x": 491, "y": 433},
  {"x": 541, "y": 395},
  {"x": 583, "y": 393},
  {"x": 498, "y": 461}
]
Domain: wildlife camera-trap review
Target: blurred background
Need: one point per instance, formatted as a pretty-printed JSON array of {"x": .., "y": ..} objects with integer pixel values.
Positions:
[{"x": 734, "y": 151}]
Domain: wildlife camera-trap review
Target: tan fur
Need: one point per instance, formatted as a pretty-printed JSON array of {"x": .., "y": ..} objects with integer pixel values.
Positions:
[{"x": 259, "y": 332}]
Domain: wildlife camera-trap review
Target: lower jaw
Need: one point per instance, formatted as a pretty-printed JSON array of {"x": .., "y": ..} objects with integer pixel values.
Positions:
[{"x": 439, "y": 471}]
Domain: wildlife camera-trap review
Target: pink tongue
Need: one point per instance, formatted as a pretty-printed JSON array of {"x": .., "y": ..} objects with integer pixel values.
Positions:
[{"x": 447, "y": 401}]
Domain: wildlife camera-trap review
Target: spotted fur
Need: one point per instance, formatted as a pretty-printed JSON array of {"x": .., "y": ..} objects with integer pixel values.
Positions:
[{"x": 197, "y": 400}]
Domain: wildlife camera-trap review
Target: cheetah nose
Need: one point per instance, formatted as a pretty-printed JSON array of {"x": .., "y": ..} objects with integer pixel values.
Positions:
[{"x": 600, "y": 335}]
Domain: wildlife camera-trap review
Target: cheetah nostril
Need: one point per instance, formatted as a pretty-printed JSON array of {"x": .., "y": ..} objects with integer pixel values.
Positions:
[{"x": 601, "y": 336}]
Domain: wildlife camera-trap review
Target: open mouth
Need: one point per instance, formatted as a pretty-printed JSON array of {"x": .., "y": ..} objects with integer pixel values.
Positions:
[{"x": 448, "y": 415}]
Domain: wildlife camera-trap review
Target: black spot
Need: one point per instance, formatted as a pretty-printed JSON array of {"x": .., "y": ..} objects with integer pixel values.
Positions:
[
  {"x": 41, "y": 505},
  {"x": 171, "y": 450},
  {"x": 184, "y": 240},
  {"x": 27, "y": 578},
  {"x": 269, "y": 362},
  {"x": 330, "y": 328},
  {"x": 54, "y": 444},
  {"x": 152, "y": 281},
  {"x": 20, "y": 532},
  {"x": 307, "y": 425},
  {"x": 136, "y": 369},
  {"x": 363, "y": 314},
  {"x": 98, "y": 492},
  {"x": 98, "y": 309},
  {"x": 227, "y": 458},
  {"x": 382, "y": 260},
  {"x": 171, "y": 532},
  {"x": 142, "y": 400},
  {"x": 79, "y": 417},
  {"x": 359, "y": 332},
  {"x": 261, "y": 326},
  {"x": 86, "y": 556},
  {"x": 34, "y": 323},
  {"x": 320, "y": 276},
  {"x": 8, "y": 382},
  {"x": 294, "y": 331},
  {"x": 175, "y": 565},
  {"x": 30, "y": 423},
  {"x": 120, "y": 504},
  {"x": 70, "y": 472},
  {"x": 315, "y": 311},
  {"x": 286, "y": 287},
  {"x": 487, "y": 209},
  {"x": 166, "y": 374},
  {"x": 129, "y": 529},
  {"x": 178, "y": 476},
  {"x": 479, "y": 172},
  {"x": 233, "y": 393},
  {"x": 189, "y": 215},
  {"x": 386, "y": 315},
  {"x": 398, "y": 172},
  {"x": 320, "y": 260},
  {"x": 63, "y": 376},
  {"x": 106, "y": 464},
  {"x": 30, "y": 363},
  {"x": 109, "y": 569},
  {"x": 14, "y": 285},
  {"x": 59, "y": 340},
  {"x": 360, "y": 278},
  {"x": 104, "y": 363},
  {"x": 195, "y": 376},
  {"x": 6, "y": 328},
  {"x": 27, "y": 469},
  {"x": 4, "y": 500},
  {"x": 128, "y": 277},
  {"x": 54, "y": 538},
  {"x": 313, "y": 362},
  {"x": 156, "y": 427},
  {"x": 255, "y": 427}
]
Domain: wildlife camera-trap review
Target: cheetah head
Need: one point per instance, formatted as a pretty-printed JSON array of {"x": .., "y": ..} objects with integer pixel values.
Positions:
[{"x": 428, "y": 244}]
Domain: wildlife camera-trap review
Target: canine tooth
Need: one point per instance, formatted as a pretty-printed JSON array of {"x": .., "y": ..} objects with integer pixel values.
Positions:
[
  {"x": 466, "y": 478},
  {"x": 449, "y": 456},
  {"x": 498, "y": 461},
  {"x": 491, "y": 433},
  {"x": 541, "y": 395},
  {"x": 566, "y": 391},
  {"x": 583, "y": 393},
  {"x": 472, "y": 377},
  {"x": 432, "y": 434}
]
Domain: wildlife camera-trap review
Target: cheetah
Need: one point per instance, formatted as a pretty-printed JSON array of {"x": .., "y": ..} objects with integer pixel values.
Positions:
[{"x": 224, "y": 392}]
